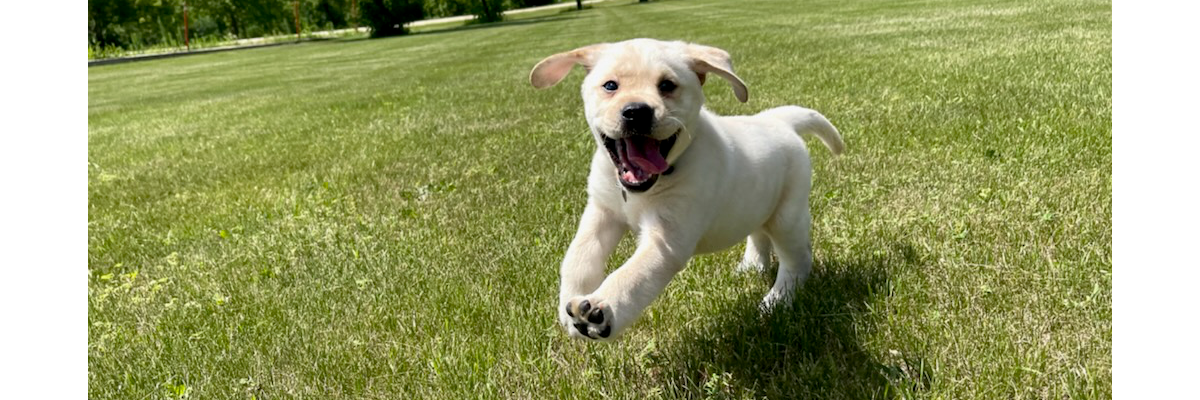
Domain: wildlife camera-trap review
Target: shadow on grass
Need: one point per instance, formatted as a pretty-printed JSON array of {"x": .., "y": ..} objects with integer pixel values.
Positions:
[
  {"x": 474, "y": 25},
  {"x": 812, "y": 348},
  {"x": 562, "y": 16},
  {"x": 471, "y": 25}
]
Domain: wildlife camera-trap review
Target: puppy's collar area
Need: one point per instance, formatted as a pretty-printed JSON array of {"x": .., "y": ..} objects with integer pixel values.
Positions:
[{"x": 640, "y": 160}]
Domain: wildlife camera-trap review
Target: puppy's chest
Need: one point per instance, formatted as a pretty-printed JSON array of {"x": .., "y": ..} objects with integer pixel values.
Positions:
[{"x": 630, "y": 207}]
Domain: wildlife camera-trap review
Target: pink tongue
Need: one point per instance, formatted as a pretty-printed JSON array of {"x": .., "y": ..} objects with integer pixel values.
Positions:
[{"x": 644, "y": 153}]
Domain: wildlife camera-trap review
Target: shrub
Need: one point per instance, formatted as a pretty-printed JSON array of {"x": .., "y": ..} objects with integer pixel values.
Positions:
[{"x": 387, "y": 17}]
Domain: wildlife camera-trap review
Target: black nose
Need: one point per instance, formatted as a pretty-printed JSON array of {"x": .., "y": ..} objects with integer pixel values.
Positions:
[{"x": 638, "y": 117}]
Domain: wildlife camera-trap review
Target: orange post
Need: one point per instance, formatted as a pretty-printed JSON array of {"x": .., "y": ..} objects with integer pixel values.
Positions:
[
  {"x": 185, "y": 28},
  {"x": 297, "y": 13}
]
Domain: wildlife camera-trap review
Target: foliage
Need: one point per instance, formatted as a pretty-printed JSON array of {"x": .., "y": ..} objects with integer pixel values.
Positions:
[{"x": 388, "y": 17}]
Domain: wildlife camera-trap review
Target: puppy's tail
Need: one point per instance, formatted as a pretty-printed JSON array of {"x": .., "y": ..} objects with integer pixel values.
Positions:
[{"x": 809, "y": 122}]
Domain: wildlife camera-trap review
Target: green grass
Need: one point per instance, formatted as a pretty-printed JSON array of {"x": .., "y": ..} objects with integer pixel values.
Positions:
[{"x": 385, "y": 218}]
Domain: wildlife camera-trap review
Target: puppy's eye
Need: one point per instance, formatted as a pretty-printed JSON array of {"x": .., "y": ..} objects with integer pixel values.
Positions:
[
  {"x": 610, "y": 86},
  {"x": 666, "y": 86}
]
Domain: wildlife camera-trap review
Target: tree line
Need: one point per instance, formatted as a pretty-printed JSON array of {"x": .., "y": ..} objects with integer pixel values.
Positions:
[{"x": 130, "y": 24}]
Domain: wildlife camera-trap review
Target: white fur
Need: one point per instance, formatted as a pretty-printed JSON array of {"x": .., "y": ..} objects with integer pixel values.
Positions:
[{"x": 740, "y": 178}]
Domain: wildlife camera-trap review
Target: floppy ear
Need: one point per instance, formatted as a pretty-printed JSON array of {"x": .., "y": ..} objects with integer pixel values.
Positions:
[
  {"x": 554, "y": 68},
  {"x": 707, "y": 59}
]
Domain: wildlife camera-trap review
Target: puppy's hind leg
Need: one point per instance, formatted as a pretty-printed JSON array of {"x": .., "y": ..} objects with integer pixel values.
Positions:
[
  {"x": 758, "y": 253},
  {"x": 790, "y": 233}
]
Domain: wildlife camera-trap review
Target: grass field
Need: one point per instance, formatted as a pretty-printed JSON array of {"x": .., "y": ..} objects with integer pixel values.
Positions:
[{"x": 385, "y": 218}]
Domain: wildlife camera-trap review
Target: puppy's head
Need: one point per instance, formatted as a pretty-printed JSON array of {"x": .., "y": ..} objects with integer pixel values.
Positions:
[{"x": 640, "y": 96}]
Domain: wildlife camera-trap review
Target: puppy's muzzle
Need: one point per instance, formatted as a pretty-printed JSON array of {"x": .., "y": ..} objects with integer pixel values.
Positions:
[
  {"x": 638, "y": 156},
  {"x": 637, "y": 118}
]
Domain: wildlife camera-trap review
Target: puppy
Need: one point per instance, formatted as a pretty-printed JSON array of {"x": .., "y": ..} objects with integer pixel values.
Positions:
[{"x": 684, "y": 180}]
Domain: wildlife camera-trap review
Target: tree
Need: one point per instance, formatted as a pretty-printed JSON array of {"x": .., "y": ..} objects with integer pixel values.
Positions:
[
  {"x": 489, "y": 10},
  {"x": 133, "y": 23},
  {"x": 388, "y": 17},
  {"x": 326, "y": 14}
]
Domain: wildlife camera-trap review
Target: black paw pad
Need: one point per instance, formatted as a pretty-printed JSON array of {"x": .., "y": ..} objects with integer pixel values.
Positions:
[{"x": 595, "y": 316}]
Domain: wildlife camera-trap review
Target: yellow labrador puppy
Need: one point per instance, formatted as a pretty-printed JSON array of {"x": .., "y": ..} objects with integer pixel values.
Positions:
[{"x": 684, "y": 180}]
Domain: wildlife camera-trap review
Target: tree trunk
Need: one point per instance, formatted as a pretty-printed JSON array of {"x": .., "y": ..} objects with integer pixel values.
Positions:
[
  {"x": 579, "y": 5},
  {"x": 487, "y": 11},
  {"x": 233, "y": 24}
]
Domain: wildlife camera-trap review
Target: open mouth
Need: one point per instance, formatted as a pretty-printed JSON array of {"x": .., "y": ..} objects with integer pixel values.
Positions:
[{"x": 639, "y": 159}]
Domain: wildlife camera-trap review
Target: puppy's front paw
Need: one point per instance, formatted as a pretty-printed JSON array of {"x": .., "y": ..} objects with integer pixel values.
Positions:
[{"x": 588, "y": 318}]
